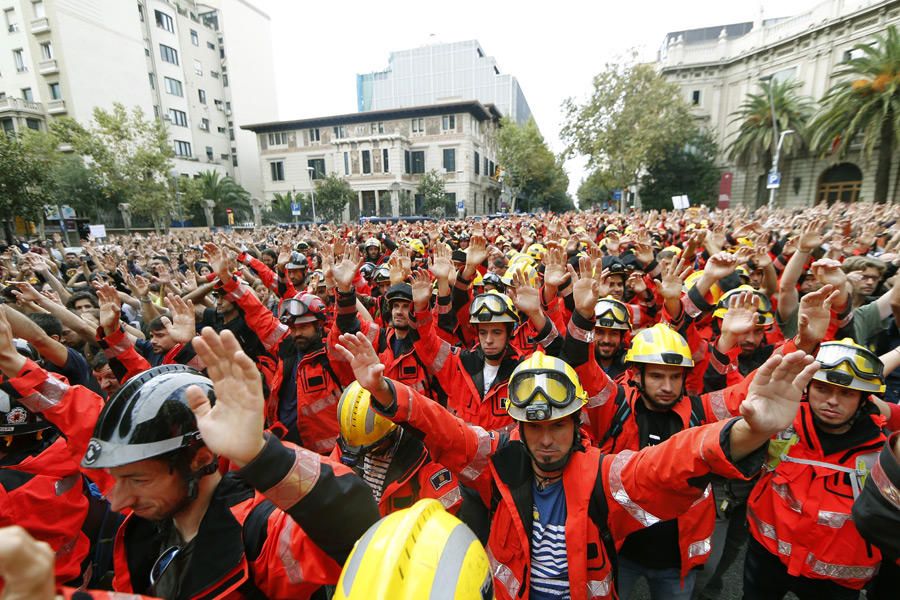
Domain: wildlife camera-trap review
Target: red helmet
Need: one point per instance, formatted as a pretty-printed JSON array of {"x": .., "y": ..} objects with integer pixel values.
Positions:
[{"x": 302, "y": 308}]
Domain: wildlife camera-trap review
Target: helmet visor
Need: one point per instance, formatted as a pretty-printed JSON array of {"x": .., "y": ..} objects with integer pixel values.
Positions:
[
  {"x": 865, "y": 364},
  {"x": 487, "y": 306},
  {"x": 610, "y": 314},
  {"x": 292, "y": 310},
  {"x": 535, "y": 387}
]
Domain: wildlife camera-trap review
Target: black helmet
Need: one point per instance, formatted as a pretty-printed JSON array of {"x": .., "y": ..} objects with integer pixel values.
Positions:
[
  {"x": 367, "y": 271},
  {"x": 494, "y": 280},
  {"x": 147, "y": 418},
  {"x": 399, "y": 291},
  {"x": 381, "y": 275},
  {"x": 298, "y": 261},
  {"x": 15, "y": 419}
]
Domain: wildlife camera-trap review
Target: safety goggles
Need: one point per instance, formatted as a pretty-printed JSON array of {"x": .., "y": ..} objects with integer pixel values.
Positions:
[
  {"x": 864, "y": 363},
  {"x": 291, "y": 310},
  {"x": 486, "y": 306},
  {"x": 609, "y": 314},
  {"x": 162, "y": 563},
  {"x": 541, "y": 387}
]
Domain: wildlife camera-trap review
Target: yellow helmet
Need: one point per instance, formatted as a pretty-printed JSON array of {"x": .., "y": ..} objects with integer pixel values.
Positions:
[
  {"x": 529, "y": 272},
  {"x": 659, "y": 345},
  {"x": 847, "y": 364},
  {"x": 360, "y": 426},
  {"x": 479, "y": 279},
  {"x": 612, "y": 314},
  {"x": 536, "y": 251},
  {"x": 765, "y": 315},
  {"x": 417, "y": 246},
  {"x": 544, "y": 388},
  {"x": 493, "y": 307},
  {"x": 673, "y": 249},
  {"x": 419, "y": 552},
  {"x": 715, "y": 290}
]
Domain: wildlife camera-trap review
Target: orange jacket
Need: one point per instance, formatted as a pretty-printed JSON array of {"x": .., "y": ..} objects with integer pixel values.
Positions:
[
  {"x": 619, "y": 493},
  {"x": 800, "y": 512}
]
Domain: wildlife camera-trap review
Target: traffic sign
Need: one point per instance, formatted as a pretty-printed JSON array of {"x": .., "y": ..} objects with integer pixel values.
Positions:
[
  {"x": 461, "y": 204},
  {"x": 295, "y": 209},
  {"x": 773, "y": 181},
  {"x": 617, "y": 195}
]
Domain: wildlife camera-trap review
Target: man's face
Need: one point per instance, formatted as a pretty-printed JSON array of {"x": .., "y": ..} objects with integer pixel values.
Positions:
[
  {"x": 810, "y": 284},
  {"x": 756, "y": 278},
  {"x": 832, "y": 404},
  {"x": 372, "y": 253},
  {"x": 107, "y": 380},
  {"x": 267, "y": 260},
  {"x": 608, "y": 341},
  {"x": 868, "y": 281},
  {"x": 70, "y": 338},
  {"x": 223, "y": 305},
  {"x": 549, "y": 441},
  {"x": 752, "y": 339},
  {"x": 150, "y": 488},
  {"x": 161, "y": 341},
  {"x": 383, "y": 287},
  {"x": 305, "y": 335},
  {"x": 616, "y": 287},
  {"x": 492, "y": 337},
  {"x": 663, "y": 384},
  {"x": 297, "y": 276},
  {"x": 400, "y": 314},
  {"x": 82, "y": 305}
]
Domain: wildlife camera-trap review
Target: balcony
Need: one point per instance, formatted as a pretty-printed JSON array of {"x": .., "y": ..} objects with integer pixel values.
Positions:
[
  {"x": 40, "y": 25},
  {"x": 48, "y": 67},
  {"x": 17, "y": 105},
  {"x": 56, "y": 107}
]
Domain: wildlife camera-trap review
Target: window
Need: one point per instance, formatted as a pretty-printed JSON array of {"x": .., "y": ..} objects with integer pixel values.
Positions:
[
  {"x": 224, "y": 80},
  {"x": 385, "y": 161},
  {"x": 168, "y": 54},
  {"x": 173, "y": 86},
  {"x": 418, "y": 125},
  {"x": 346, "y": 163},
  {"x": 164, "y": 21},
  {"x": 47, "y": 51},
  {"x": 314, "y": 135},
  {"x": 38, "y": 7},
  {"x": 152, "y": 78},
  {"x": 178, "y": 117},
  {"x": 377, "y": 127},
  {"x": 219, "y": 104},
  {"x": 214, "y": 74},
  {"x": 27, "y": 95},
  {"x": 234, "y": 160},
  {"x": 141, "y": 12},
  {"x": 486, "y": 172},
  {"x": 278, "y": 139},
  {"x": 210, "y": 45},
  {"x": 204, "y": 124},
  {"x": 406, "y": 165},
  {"x": 366, "y": 162},
  {"x": 450, "y": 160},
  {"x": 417, "y": 161},
  {"x": 182, "y": 148},
  {"x": 198, "y": 67},
  {"x": 276, "y": 169},
  {"x": 202, "y": 95},
  {"x": 220, "y": 129},
  {"x": 11, "y": 23},
  {"x": 477, "y": 164},
  {"x": 19, "y": 60},
  {"x": 55, "y": 94},
  {"x": 318, "y": 167},
  {"x": 210, "y": 153},
  {"x": 492, "y": 172},
  {"x": 448, "y": 123},
  {"x": 339, "y": 132},
  {"x": 695, "y": 98},
  {"x": 33, "y": 124},
  {"x": 195, "y": 37}
]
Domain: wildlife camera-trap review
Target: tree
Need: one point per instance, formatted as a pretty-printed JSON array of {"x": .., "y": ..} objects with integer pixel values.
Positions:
[
  {"x": 632, "y": 116},
  {"x": 280, "y": 209},
  {"x": 434, "y": 194},
  {"x": 689, "y": 169},
  {"x": 594, "y": 190},
  {"x": 332, "y": 195},
  {"x": 23, "y": 183},
  {"x": 865, "y": 103},
  {"x": 130, "y": 155},
  {"x": 530, "y": 169},
  {"x": 755, "y": 138},
  {"x": 226, "y": 193}
]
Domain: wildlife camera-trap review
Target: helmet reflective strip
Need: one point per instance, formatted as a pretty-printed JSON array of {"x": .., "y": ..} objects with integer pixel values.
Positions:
[
  {"x": 352, "y": 567},
  {"x": 450, "y": 565}
]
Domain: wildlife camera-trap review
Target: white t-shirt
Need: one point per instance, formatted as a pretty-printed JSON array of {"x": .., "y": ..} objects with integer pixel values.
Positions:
[{"x": 490, "y": 374}]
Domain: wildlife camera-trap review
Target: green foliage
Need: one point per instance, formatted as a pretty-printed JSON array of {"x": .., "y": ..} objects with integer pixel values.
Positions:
[
  {"x": 755, "y": 137},
  {"x": 130, "y": 155},
  {"x": 865, "y": 105},
  {"x": 226, "y": 193},
  {"x": 332, "y": 195},
  {"x": 24, "y": 183},
  {"x": 530, "y": 169},
  {"x": 689, "y": 169},
  {"x": 280, "y": 209},
  {"x": 630, "y": 119},
  {"x": 434, "y": 194},
  {"x": 594, "y": 190}
]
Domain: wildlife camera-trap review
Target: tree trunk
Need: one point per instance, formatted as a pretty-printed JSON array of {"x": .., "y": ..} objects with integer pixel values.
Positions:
[
  {"x": 8, "y": 231},
  {"x": 885, "y": 151}
]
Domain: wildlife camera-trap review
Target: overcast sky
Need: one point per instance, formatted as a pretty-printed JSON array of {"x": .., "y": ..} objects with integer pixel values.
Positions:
[{"x": 553, "y": 48}]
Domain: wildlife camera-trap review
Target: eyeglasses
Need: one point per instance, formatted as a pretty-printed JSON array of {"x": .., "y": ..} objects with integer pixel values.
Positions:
[
  {"x": 864, "y": 363},
  {"x": 163, "y": 562},
  {"x": 541, "y": 387}
]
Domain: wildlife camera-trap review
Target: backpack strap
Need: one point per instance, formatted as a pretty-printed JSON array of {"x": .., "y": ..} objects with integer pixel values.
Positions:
[
  {"x": 255, "y": 529},
  {"x": 618, "y": 421},
  {"x": 698, "y": 414},
  {"x": 598, "y": 511}
]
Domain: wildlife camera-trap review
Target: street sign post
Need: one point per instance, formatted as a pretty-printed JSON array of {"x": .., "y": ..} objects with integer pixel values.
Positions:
[
  {"x": 773, "y": 180},
  {"x": 295, "y": 209}
]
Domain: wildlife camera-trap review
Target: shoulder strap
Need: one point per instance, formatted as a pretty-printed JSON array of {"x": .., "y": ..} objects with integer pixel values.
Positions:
[
  {"x": 598, "y": 511},
  {"x": 698, "y": 414},
  {"x": 618, "y": 421},
  {"x": 256, "y": 529}
]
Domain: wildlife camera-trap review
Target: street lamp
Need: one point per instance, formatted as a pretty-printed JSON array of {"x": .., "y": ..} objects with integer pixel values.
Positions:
[
  {"x": 774, "y": 168},
  {"x": 312, "y": 191}
]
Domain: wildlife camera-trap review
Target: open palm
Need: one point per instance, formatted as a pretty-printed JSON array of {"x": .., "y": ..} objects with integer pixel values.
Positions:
[{"x": 774, "y": 396}]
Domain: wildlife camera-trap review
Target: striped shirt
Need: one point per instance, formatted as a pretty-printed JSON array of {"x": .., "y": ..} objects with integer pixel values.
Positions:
[
  {"x": 549, "y": 565},
  {"x": 374, "y": 472}
]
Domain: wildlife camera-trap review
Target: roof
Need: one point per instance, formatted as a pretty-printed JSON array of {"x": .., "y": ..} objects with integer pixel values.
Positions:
[{"x": 482, "y": 112}]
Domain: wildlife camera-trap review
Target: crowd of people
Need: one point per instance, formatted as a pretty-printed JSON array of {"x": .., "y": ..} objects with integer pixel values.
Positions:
[{"x": 529, "y": 406}]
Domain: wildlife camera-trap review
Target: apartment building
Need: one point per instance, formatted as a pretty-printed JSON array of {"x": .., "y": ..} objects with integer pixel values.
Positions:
[
  {"x": 384, "y": 154},
  {"x": 170, "y": 58}
]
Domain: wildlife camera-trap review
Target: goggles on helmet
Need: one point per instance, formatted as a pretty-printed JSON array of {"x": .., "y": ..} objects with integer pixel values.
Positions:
[
  {"x": 487, "y": 306},
  {"x": 540, "y": 387},
  {"x": 863, "y": 362},
  {"x": 293, "y": 309},
  {"x": 611, "y": 315}
]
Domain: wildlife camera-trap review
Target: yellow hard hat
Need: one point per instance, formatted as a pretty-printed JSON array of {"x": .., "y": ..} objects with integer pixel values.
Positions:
[
  {"x": 478, "y": 281},
  {"x": 360, "y": 426},
  {"x": 493, "y": 307},
  {"x": 529, "y": 272},
  {"x": 659, "y": 345},
  {"x": 419, "y": 552},
  {"x": 536, "y": 251},
  {"x": 417, "y": 246},
  {"x": 673, "y": 249},
  {"x": 847, "y": 364},
  {"x": 715, "y": 290},
  {"x": 765, "y": 315},
  {"x": 610, "y": 313},
  {"x": 544, "y": 388}
]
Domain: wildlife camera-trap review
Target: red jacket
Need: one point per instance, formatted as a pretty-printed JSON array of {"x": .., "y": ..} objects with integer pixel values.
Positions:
[{"x": 633, "y": 490}]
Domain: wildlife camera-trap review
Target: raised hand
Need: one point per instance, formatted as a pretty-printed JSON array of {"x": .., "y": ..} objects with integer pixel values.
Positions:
[
  {"x": 636, "y": 283},
  {"x": 27, "y": 293},
  {"x": 555, "y": 274},
  {"x": 421, "y": 289},
  {"x": 584, "y": 289},
  {"x": 218, "y": 261},
  {"x": 183, "y": 325},
  {"x": 673, "y": 277},
  {"x": 367, "y": 367},
  {"x": 138, "y": 285},
  {"x": 828, "y": 271},
  {"x": 525, "y": 296},
  {"x": 346, "y": 269},
  {"x": 810, "y": 238},
  {"x": 720, "y": 265},
  {"x": 814, "y": 316},
  {"x": 476, "y": 255},
  {"x": 233, "y": 428},
  {"x": 26, "y": 566},
  {"x": 741, "y": 315},
  {"x": 774, "y": 395},
  {"x": 110, "y": 308},
  {"x": 439, "y": 263}
]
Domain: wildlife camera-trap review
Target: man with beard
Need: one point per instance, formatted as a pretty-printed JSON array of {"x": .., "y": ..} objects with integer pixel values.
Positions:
[{"x": 612, "y": 325}]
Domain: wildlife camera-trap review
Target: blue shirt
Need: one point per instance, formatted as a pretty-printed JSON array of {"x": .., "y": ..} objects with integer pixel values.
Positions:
[{"x": 549, "y": 562}]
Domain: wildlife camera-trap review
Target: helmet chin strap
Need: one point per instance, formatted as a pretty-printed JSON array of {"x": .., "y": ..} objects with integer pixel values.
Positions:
[
  {"x": 192, "y": 483},
  {"x": 559, "y": 464}
]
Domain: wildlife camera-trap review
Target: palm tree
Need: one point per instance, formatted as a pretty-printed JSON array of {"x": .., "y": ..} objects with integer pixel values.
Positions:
[
  {"x": 755, "y": 137},
  {"x": 226, "y": 193},
  {"x": 280, "y": 209},
  {"x": 866, "y": 103}
]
